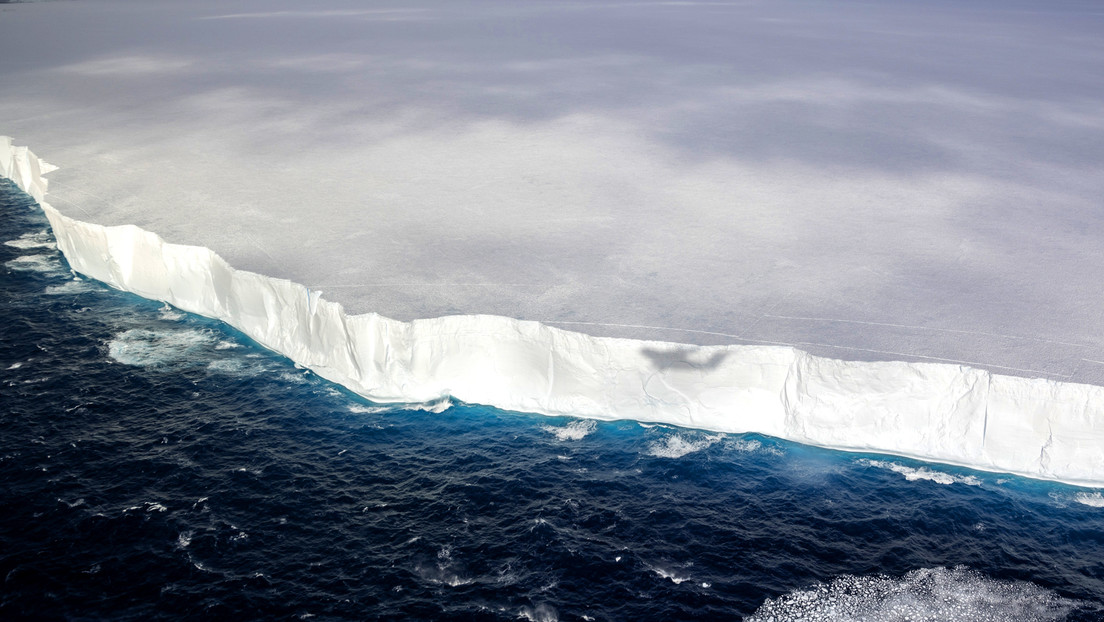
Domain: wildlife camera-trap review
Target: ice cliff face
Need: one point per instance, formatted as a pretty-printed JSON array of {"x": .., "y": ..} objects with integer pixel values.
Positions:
[{"x": 940, "y": 412}]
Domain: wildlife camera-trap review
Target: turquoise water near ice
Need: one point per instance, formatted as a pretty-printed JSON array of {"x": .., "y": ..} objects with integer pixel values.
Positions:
[{"x": 159, "y": 465}]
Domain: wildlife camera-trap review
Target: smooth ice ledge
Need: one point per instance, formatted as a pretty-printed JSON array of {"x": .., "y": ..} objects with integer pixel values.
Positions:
[{"x": 945, "y": 413}]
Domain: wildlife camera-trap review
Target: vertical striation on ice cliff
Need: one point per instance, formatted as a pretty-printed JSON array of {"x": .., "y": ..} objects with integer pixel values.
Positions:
[{"x": 932, "y": 411}]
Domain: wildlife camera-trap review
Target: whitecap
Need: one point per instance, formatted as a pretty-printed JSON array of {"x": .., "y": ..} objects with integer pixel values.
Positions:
[
  {"x": 232, "y": 366},
  {"x": 540, "y": 613},
  {"x": 361, "y": 409},
  {"x": 300, "y": 378},
  {"x": 184, "y": 539},
  {"x": 574, "y": 431},
  {"x": 1093, "y": 499},
  {"x": 745, "y": 446},
  {"x": 75, "y": 286},
  {"x": 675, "y": 446},
  {"x": 928, "y": 594},
  {"x": 436, "y": 406},
  {"x": 42, "y": 239},
  {"x": 672, "y": 575},
  {"x": 169, "y": 314},
  {"x": 15, "y": 366},
  {"x": 150, "y": 348},
  {"x": 913, "y": 474},
  {"x": 227, "y": 345},
  {"x": 35, "y": 263}
]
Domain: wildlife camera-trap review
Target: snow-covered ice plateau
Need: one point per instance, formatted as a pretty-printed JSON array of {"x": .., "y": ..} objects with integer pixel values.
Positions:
[{"x": 933, "y": 411}]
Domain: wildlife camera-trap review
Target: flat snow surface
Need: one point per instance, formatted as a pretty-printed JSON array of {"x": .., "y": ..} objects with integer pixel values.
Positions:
[{"x": 886, "y": 180}]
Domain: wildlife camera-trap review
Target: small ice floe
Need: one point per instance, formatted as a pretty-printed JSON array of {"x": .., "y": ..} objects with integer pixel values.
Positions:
[
  {"x": 574, "y": 431},
  {"x": 677, "y": 446},
  {"x": 958, "y": 594},
  {"x": 913, "y": 474}
]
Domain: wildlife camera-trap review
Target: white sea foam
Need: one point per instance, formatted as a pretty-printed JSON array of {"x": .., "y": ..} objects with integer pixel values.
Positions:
[
  {"x": 42, "y": 239},
  {"x": 74, "y": 286},
  {"x": 670, "y": 574},
  {"x": 35, "y": 263},
  {"x": 361, "y": 409},
  {"x": 939, "y": 411},
  {"x": 539, "y": 613},
  {"x": 227, "y": 345},
  {"x": 913, "y": 474},
  {"x": 231, "y": 366},
  {"x": 677, "y": 446},
  {"x": 1093, "y": 499},
  {"x": 926, "y": 595},
  {"x": 151, "y": 348},
  {"x": 574, "y": 431},
  {"x": 169, "y": 314}
]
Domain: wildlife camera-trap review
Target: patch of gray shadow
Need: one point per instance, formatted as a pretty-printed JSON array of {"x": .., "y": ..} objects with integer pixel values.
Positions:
[{"x": 664, "y": 359}]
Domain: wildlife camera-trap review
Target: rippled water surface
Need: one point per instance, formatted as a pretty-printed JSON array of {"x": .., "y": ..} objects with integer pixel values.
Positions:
[{"x": 154, "y": 464}]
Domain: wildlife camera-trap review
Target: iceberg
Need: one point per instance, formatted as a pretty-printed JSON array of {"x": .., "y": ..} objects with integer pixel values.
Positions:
[{"x": 939, "y": 412}]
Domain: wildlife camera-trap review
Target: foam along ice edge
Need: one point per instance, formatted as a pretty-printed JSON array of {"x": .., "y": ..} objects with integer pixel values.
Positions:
[{"x": 931, "y": 411}]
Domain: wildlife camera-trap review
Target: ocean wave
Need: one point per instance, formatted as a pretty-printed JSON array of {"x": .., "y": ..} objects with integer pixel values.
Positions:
[
  {"x": 35, "y": 263},
  {"x": 41, "y": 239},
  {"x": 1093, "y": 499},
  {"x": 913, "y": 474},
  {"x": 680, "y": 444},
  {"x": 74, "y": 286},
  {"x": 941, "y": 412},
  {"x": 574, "y": 431}
]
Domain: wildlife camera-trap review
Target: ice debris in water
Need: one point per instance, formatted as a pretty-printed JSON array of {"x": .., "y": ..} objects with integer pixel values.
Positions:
[
  {"x": 923, "y": 473},
  {"x": 574, "y": 431},
  {"x": 925, "y": 595}
]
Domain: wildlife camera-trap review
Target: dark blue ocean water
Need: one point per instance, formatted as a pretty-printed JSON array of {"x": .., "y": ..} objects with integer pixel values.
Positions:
[{"x": 158, "y": 465}]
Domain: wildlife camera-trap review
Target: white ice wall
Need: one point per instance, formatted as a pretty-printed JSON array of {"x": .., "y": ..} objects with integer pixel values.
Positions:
[{"x": 946, "y": 413}]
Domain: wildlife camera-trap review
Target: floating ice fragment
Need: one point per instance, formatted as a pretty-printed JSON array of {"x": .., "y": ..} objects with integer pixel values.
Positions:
[{"x": 928, "y": 595}]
